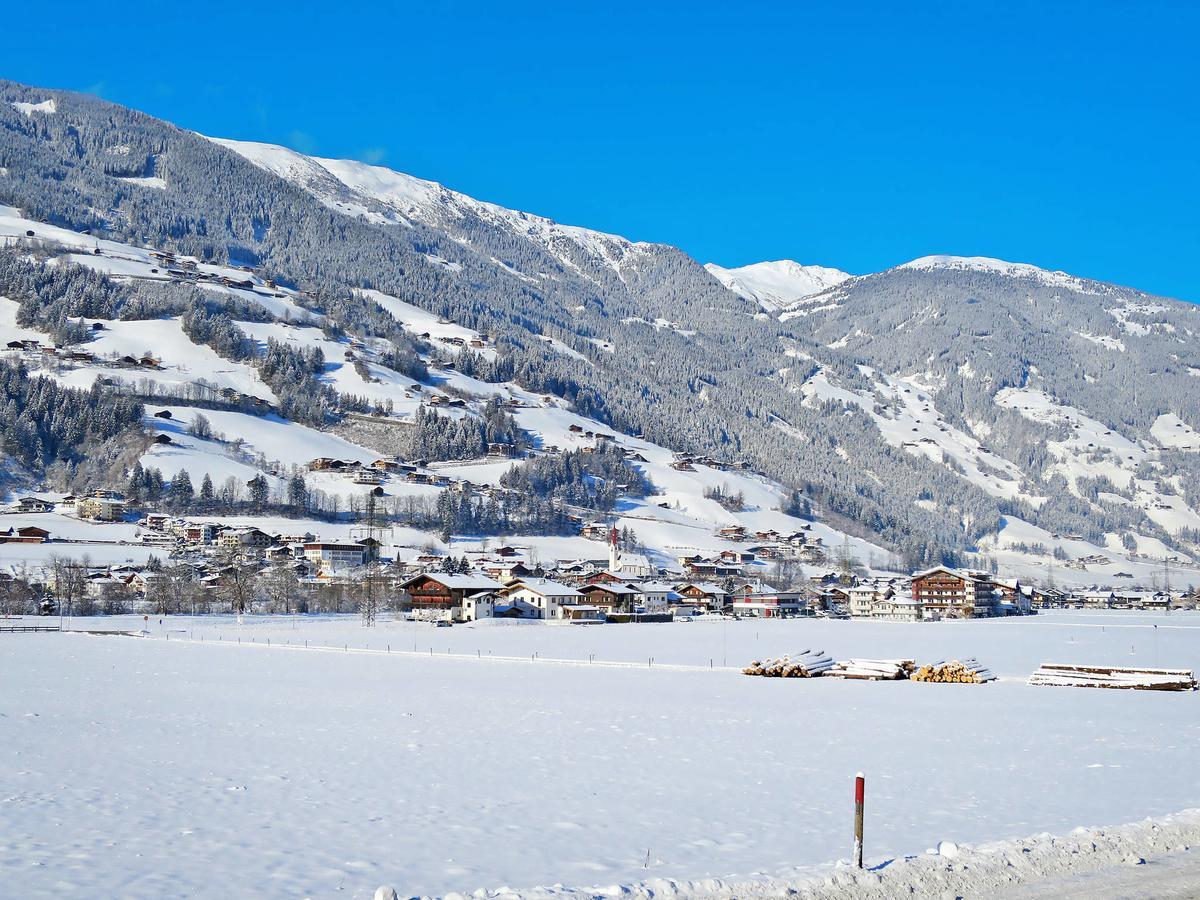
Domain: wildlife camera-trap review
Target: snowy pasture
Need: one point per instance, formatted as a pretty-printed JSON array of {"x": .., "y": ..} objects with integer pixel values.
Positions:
[{"x": 147, "y": 766}]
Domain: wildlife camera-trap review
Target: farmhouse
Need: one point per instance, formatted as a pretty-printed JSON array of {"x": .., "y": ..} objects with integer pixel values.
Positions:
[
  {"x": 771, "y": 604},
  {"x": 244, "y": 539},
  {"x": 547, "y": 598},
  {"x": 444, "y": 594},
  {"x": 612, "y": 595},
  {"x": 30, "y": 534},
  {"x": 897, "y": 607}
]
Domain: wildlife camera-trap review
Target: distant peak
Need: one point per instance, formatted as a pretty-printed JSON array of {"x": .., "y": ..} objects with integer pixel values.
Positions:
[{"x": 778, "y": 283}]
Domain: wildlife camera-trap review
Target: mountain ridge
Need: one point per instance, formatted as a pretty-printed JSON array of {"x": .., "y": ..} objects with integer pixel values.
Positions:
[{"x": 644, "y": 339}]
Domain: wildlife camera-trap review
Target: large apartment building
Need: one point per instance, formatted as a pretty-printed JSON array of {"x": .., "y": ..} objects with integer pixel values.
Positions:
[{"x": 945, "y": 593}]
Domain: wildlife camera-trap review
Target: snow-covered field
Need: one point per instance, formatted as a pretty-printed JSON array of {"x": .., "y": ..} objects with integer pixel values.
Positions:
[{"x": 142, "y": 767}]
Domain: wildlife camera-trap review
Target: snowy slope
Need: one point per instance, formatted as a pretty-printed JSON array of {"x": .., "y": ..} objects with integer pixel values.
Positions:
[
  {"x": 779, "y": 284},
  {"x": 1001, "y": 267},
  {"x": 1092, "y": 450},
  {"x": 386, "y": 196},
  {"x": 361, "y": 759}
]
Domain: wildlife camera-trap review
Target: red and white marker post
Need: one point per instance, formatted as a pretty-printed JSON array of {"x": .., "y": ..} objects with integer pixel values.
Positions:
[{"x": 859, "y": 793}]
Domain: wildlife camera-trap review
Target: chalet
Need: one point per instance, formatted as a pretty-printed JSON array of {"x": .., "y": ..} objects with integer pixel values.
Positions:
[
  {"x": 658, "y": 595},
  {"x": 736, "y": 556},
  {"x": 595, "y": 531},
  {"x": 1096, "y": 599},
  {"x": 771, "y": 604},
  {"x": 499, "y": 451},
  {"x": 163, "y": 414},
  {"x": 29, "y": 534},
  {"x": 325, "y": 464},
  {"x": 612, "y": 595},
  {"x": 575, "y": 429},
  {"x": 478, "y": 606},
  {"x": 157, "y": 539},
  {"x": 732, "y": 533},
  {"x": 297, "y": 537},
  {"x": 386, "y": 465},
  {"x": 711, "y": 596},
  {"x": 897, "y": 606},
  {"x": 603, "y": 577},
  {"x": 163, "y": 439},
  {"x": 683, "y": 465},
  {"x": 709, "y": 567},
  {"x": 35, "y": 505},
  {"x": 367, "y": 476},
  {"x": 156, "y": 521},
  {"x": 546, "y": 598},
  {"x": 1012, "y": 597},
  {"x": 242, "y": 539},
  {"x": 946, "y": 593},
  {"x": 862, "y": 599},
  {"x": 507, "y": 572},
  {"x": 438, "y": 594},
  {"x": 199, "y": 533}
]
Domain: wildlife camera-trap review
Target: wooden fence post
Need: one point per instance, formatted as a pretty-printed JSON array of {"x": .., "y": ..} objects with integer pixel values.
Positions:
[{"x": 859, "y": 793}]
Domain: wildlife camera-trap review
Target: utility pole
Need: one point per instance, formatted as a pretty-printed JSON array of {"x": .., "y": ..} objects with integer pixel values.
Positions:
[{"x": 369, "y": 601}]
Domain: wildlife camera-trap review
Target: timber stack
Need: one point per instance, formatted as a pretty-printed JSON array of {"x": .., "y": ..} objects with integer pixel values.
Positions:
[
  {"x": 1119, "y": 677},
  {"x": 967, "y": 671},
  {"x": 874, "y": 669},
  {"x": 805, "y": 664}
]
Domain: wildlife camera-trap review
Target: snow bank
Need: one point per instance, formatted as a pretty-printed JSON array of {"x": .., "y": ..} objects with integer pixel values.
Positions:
[{"x": 985, "y": 870}]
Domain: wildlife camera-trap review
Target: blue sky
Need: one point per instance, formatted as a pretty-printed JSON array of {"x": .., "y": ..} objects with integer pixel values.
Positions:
[{"x": 857, "y": 135}]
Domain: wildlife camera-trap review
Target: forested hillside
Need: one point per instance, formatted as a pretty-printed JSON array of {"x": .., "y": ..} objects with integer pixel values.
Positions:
[{"x": 638, "y": 336}]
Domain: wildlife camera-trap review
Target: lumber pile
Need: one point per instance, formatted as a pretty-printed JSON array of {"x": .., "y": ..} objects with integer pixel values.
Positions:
[
  {"x": 805, "y": 664},
  {"x": 1066, "y": 675},
  {"x": 967, "y": 671},
  {"x": 874, "y": 669}
]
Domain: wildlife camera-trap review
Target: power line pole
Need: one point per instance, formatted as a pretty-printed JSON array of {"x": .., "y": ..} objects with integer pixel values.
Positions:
[{"x": 369, "y": 601}]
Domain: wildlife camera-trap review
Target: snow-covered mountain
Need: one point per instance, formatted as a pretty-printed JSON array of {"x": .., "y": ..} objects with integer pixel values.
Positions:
[
  {"x": 777, "y": 285},
  {"x": 386, "y": 196},
  {"x": 936, "y": 407}
]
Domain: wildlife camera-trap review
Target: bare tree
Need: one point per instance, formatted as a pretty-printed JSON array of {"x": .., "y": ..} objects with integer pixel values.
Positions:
[
  {"x": 236, "y": 585},
  {"x": 281, "y": 588}
]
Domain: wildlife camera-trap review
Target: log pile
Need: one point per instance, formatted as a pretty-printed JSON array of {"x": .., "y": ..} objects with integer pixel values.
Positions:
[
  {"x": 805, "y": 664},
  {"x": 874, "y": 669},
  {"x": 967, "y": 671},
  {"x": 1065, "y": 675}
]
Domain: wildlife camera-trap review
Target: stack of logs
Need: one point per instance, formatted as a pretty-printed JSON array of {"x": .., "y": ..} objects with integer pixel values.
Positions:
[
  {"x": 1063, "y": 675},
  {"x": 805, "y": 664},
  {"x": 967, "y": 671},
  {"x": 874, "y": 669}
]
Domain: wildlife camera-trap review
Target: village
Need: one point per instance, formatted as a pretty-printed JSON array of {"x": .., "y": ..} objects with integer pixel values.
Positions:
[{"x": 207, "y": 566}]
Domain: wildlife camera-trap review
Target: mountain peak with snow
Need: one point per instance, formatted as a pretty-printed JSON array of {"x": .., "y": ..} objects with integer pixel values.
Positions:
[
  {"x": 996, "y": 267},
  {"x": 386, "y": 196},
  {"x": 777, "y": 284}
]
